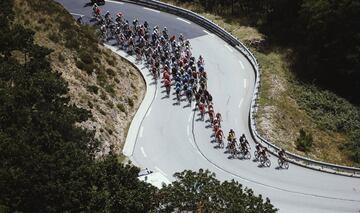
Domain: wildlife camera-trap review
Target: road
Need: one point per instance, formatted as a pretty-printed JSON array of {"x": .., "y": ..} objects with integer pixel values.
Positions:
[{"x": 171, "y": 138}]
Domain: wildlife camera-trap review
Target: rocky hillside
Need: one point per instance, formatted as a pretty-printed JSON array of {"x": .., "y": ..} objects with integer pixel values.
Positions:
[{"x": 99, "y": 80}]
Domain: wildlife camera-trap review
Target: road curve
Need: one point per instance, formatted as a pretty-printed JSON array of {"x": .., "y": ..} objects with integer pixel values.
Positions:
[{"x": 171, "y": 138}]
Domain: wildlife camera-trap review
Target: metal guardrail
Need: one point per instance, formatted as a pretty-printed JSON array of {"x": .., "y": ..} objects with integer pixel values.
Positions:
[{"x": 230, "y": 39}]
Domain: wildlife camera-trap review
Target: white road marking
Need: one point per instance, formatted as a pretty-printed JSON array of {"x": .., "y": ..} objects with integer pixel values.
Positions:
[
  {"x": 188, "y": 130},
  {"x": 183, "y": 20},
  {"x": 206, "y": 32},
  {"x": 189, "y": 117},
  {"x": 159, "y": 170},
  {"x": 240, "y": 102},
  {"x": 141, "y": 131},
  {"x": 190, "y": 141},
  {"x": 148, "y": 113},
  {"x": 115, "y": 2},
  {"x": 77, "y": 14},
  {"x": 212, "y": 34},
  {"x": 143, "y": 152},
  {"x": 156, "y": 11},
  {"x": 229, "y": 48},
  {"x": 242, "y": 65},
  {"x": 245, "y": 83}
]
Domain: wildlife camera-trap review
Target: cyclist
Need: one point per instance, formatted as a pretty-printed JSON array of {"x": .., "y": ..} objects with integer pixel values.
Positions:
[
  {"x": 200, "y": 61},
  {"x": 263, "y": 153},
  {"x": 245, "y": 146},
  {"x": 282, "y": 155},
  {"x": 218, "y": 116},
  {"x": 107, "y": 15},
  {"x": 202, "y": 110},
  {"x": 231, "y": 135},
  {"x": 219, "y": 135},
  {"x": 119, "y": 17},
  {"x": 177, "y": 91}
]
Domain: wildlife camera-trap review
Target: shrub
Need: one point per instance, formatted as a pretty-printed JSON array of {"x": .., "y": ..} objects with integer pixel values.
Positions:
[
  {"x": 101, "y": 78},
  {"x": 92, "y": 88},
  {"x": 130, "y": 102},
  {"x": 85, "y": 57},
  {"x": 110, "y": 104},
  {"x": 80, "y": 65},
  {"x": 110, "y": 89},
  {"x": 54, "y": 37},
  {"x": 110, "y": 72},
  {"x": 61, "y": 57},
  {"x": 103, "y": 96},
  {"x": 90, "y": 104},
  {"x": 121, "y": 107},
  {"x": 304, "y": 141}
]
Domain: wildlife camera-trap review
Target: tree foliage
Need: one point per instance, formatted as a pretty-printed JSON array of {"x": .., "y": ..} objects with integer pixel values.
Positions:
[{"x": 202, "y": 192}]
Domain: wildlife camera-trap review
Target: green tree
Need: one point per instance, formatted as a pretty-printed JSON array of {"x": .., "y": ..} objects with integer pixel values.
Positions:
[{"x": 202, "y": 192}]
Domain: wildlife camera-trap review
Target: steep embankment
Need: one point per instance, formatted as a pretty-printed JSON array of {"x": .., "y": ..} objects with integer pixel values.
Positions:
[{"x": 99, "y": 80}]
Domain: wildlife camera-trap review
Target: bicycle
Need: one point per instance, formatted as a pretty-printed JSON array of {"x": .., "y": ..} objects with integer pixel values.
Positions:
[
  {"x": 265, "y": 161},
  {"x": 283, "y": 164},
  {"x": 245, "y": 153}
]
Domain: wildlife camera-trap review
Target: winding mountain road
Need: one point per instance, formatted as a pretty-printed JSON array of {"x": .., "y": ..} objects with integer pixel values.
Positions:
[{"x": 171, "y": 138}]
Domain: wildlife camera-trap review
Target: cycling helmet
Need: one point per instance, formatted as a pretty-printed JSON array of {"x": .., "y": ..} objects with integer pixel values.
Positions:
[
  {"x": 231, "y": 130},
  {"x": 119, "y": 14}
]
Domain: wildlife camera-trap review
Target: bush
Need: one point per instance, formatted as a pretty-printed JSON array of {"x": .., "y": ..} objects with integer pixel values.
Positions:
[
  {"x": 110, "y": 72},
  {"x": 85, "y": 57},
  {"x": 90, "y": 104},
  {"x": 54, "y": 37},
  {"x": 80, "y": 65},
  {"x": 61, "y": 57},
  {"x": 121, "y": 107},
  {"x": 110, "y": 89},
  {"x": 101, "y": 78},
  {"x": 130, "y": 102},
  {"x": 94, "y": 89},
  {"x": 304, "y": 141}
]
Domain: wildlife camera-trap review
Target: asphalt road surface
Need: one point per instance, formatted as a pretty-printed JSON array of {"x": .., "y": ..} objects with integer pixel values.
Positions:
[{"x": 171, "y": 137}]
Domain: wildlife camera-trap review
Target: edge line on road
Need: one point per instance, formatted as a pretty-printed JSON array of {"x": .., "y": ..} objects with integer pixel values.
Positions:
[
  {"x": 241, "y": 100},
  {"x": 229, "y": 48},
  {"x": 77, "y": 14},
  {"x": 241, "y": 64},
  {"x": 183, "y": 20},
  {"x": 141, "y": 132},
  {"x": 153, "y": 10},
  {"x": 143, "y": 152}
]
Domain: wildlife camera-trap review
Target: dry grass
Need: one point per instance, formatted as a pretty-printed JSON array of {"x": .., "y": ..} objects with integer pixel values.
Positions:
[
  {"x": 279, "y": 117},
  {"x": 109, "y": 122}
]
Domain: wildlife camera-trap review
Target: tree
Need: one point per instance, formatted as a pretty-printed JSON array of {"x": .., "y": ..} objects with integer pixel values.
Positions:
[{"x": 202, "y": 192}]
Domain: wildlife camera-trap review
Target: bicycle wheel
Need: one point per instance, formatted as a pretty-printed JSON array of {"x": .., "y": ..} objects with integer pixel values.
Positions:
[
  {"x": 247, "y": 155},
  {"x": 262, "y": 160},
  {"x": 280, "y": 163},
  {"x": 286, "y": 165},
  {"x": 221, "y": 145},
  {"x": 267, "y": 163}
]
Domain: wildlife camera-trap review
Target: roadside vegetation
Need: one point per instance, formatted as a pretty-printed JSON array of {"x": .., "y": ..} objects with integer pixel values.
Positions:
[
  {"x": 98, "y": 79},
  {"x": 50, "y": 161},
  {"x": 310, "y": 70}
]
